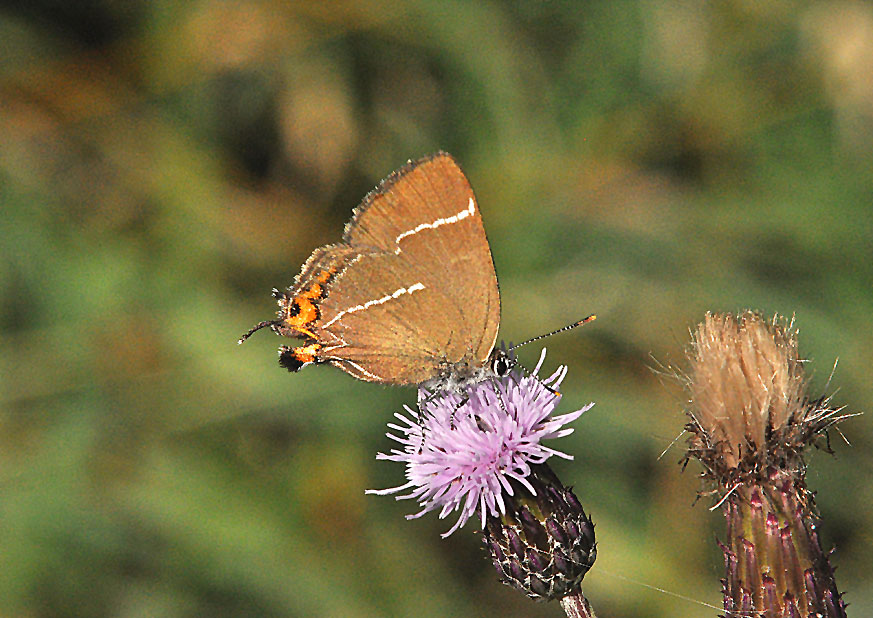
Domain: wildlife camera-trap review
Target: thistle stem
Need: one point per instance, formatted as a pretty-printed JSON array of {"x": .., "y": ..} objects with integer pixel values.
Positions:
[{"x": 575, "y": 605}]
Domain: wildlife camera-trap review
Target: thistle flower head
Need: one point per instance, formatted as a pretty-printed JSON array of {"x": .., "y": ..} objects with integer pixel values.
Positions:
[{"x": 468, "y": 457}]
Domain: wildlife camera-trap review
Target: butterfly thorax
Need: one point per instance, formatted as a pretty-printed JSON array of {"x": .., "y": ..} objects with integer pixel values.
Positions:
[{"x": 458, "y": 377}]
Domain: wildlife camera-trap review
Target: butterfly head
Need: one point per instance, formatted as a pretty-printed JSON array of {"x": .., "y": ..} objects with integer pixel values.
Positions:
[{"x": 502, "y": 361}]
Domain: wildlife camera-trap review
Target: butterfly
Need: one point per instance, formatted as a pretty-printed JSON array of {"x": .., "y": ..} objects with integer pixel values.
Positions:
[{"x": 409, "y": 296}]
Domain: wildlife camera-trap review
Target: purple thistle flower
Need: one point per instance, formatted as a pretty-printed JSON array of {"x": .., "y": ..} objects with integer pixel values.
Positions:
[{"x": 464, "y": 458}]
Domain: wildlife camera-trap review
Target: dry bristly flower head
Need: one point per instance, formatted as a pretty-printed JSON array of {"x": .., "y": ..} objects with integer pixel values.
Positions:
[
  {"x": 747, "y": 390},
  {"x": 751, "y": 420}
]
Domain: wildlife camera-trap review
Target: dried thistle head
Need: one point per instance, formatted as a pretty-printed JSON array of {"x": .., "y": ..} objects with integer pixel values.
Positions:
[
  {"x": 749, "y": 409},
  {"x": 751, "y": 420}
]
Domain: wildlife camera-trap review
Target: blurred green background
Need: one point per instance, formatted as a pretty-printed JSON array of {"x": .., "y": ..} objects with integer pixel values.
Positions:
[{"x": 163, "y": 165}]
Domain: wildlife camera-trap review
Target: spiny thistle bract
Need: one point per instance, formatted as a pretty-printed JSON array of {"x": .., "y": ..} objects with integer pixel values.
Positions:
[{"x": 544, "y": 543}]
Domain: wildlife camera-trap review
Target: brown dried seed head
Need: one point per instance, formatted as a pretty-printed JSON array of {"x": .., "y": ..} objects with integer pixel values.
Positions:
[
  {"x": 751, "y": 420},
  {"x": 746, "y": 381}
]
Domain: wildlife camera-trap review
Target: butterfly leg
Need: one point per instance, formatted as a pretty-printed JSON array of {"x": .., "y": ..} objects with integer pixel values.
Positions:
[
  {"x": 500, "y": 401},
  {"x": 422, "y": 411},
  {"x": 464, "y": 399}
]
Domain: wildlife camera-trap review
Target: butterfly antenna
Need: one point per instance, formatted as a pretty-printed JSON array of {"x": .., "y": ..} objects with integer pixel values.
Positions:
[
  {"x": 526, "y": 372},
  {"x": 590, "y": 318},
  {"x": 256, "y": 328},
  {"x": 278, "y": 295}
]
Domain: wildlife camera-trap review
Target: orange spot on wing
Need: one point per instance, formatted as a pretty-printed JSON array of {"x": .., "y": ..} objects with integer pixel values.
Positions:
[
  {"x": 302, "y": 310},
  {"x": 306, "y": 353},
  {"x": 314, "y": 291}
]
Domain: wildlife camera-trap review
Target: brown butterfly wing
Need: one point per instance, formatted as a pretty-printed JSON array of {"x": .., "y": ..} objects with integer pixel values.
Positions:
[{"x": 420, "y": 291}]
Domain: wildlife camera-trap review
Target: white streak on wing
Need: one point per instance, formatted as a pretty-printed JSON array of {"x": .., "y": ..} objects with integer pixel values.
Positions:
[
  {"x": 364, "y": 371},
  {"x": 415, "y": 287},
  {"x": 467, "y": 212},
  {"x": 336, "y": 346}
]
